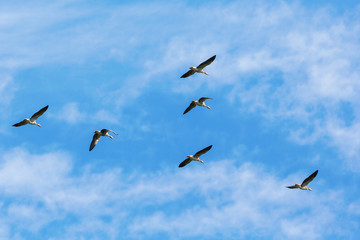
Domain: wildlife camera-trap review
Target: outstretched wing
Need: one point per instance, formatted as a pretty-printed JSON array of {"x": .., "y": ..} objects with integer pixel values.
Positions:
[
  {"x": 309, "y": 179},
  {"x": 94, "y": 141},
  {"x": 201, "y": 100},
  {"x": 191, "y": 106},
  {"x": 185, "y": 162},
  {"x": 201, "y": 152},
  {"x": 112, "y": 132},
  {"x": 207, "y": 62},
  {"x": 22, "y": 123},
  {"x": 39, "y": 113},
  {"x": 105, "y": 131},
  {"x": 188, "y": 73}
]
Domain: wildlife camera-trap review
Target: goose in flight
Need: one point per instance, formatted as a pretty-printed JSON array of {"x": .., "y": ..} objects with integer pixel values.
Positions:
[
  {"x": 33, "y": 118},
  {"x": 98, "y": 134},
  {"x": 304, "y": 184},
  {"x": 195, "y": 157},
  {"x": 199, "y": 69},
  {"x": 194, "y": 103}
]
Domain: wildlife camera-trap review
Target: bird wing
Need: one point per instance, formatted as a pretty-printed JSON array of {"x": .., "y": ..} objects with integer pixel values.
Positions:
[
  {"x": 188, "y": 73},
  {"x": 185, "y": 162},
  {"x": 201, "y": 152},
  {"x": 201, "y": 100},
  {"x": 104, "y": 131},
  {"x": 191, "y": 106},
  {"x": 309, "y": 179},
  {"x": 291, "y": 187},
  {"x": 39, "y": 113},
  {"x": 94, "y": 141},
  {"x": 22, "y": 123},
  {"x": 112, "y": 132},
  {"x": 207, "y": 62}
]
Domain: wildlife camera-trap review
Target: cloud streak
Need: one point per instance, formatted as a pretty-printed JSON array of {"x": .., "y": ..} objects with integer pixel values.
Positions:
[{"x": 229, "y": 201}]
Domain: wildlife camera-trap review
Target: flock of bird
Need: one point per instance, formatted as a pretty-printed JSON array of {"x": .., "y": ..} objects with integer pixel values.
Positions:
[{"x": 193, "y": 104}]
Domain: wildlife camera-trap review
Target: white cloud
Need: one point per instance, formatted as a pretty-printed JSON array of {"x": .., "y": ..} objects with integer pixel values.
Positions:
[
  {"x": 70, "y": 113},
  {"x": 217, "y": 199},
  {"x": 7, "y": 91},
  {"x": 241, "y": 201},
  {"x": 105, "y": 116},
  {"x": 283, "y": 61}
]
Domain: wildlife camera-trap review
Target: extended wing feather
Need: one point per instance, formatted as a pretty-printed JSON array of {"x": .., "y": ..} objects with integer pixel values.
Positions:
[
  {"x": 22, "y": 123},
  {"x": 309, "y": 179},
  {"x": 191, "y": 106},
  {"x": 188, "y": 73},
  {"x": 185, "y": 162},
  {"x": 94, "y": 141},
  {"x": 201, "y": 100},
  {"x": 203, "y": 151},
  {"x": 206, "y": 63},
  {"x": 39, "y": 113}
]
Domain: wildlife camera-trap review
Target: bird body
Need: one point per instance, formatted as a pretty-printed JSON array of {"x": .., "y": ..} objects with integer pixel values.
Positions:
[
  {"x": 32, "y": 120},
  {"x": 194, "y": 103},
  {"x": 199, "y": 69},
  {"x": 303, "y": 185},
  {"x": 195, "y": 157},
  {"x": 98, "y": 134}
]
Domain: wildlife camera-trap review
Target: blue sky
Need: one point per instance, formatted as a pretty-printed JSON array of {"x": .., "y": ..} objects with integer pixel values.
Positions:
[{"x": 285, "y": 87}]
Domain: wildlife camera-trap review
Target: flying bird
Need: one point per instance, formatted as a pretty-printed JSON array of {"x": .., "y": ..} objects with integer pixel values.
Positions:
[
  {"x": 98, "y": 134},
  {"x": 195, "y": 157},
  {"x": 199, "y": 69},
  {"x": 33, "y": 118},
  {"x": 304, "y": 184},
  {"x": 194, "y": 103}
]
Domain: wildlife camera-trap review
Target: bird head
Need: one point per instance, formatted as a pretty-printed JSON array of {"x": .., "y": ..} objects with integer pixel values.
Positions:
[
  {"x": 297, "y": 185},
  {"x": 193, "y": 101},
  {"x": 188, "y": 156},
  {"x": 96, "y": 131},
  {"x": 192, "y": 68}
]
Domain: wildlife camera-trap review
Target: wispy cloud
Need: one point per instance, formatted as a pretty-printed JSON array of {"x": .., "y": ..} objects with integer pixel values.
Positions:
[
  {"x": 70, "y": 113},
  {"x": 288, "y": 70},
  {"x": 229, "y": 201}
]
